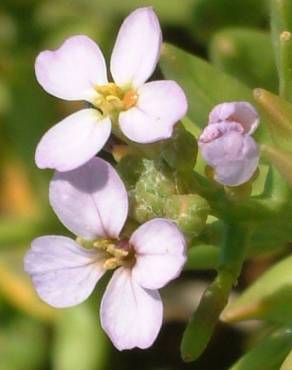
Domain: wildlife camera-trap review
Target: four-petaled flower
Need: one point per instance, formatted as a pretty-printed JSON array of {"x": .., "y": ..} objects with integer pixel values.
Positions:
[
  {"x": 91, "y": 201},
  {"x": 142, "y": 112},
  {"x": 226, "y": 143}
]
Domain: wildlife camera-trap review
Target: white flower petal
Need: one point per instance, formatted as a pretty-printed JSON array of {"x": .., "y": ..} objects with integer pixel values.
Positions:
[
  {"x": 91, "y": 201},
  {"x": 73, "y": 141},
  {"x": 72, "y": 71},
  {"x": 160, "y": 253},
  {"x": 63, "y": 273},
  {"x": 161, "y": 104},
  {"x": 130, "y": 315},
  {"x": 137, "y": 48}
]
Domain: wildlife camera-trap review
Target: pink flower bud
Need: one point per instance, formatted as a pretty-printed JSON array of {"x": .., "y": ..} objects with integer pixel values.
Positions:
[
  {"x": 226, "y": 144},
  {"x": 240, "y": 112}
]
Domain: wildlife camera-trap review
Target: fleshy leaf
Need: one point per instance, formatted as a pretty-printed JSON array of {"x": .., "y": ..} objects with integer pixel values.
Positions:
[
  {"x": 269, "y": 298},
  {"x": 281, "y": 159},
  {"x": 278, "y": 114},
  {"x": 268, "y": 354},
  {"x": 202, "y": 323},
  {"x": 212, "y": 15},
  {"x": 240, "y": 52}
]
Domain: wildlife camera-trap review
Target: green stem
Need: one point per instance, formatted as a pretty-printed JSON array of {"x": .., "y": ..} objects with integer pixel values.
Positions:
[
  {"x": 234, "y": 248},
  {"x": 249, "y": 210},
  {"x": 202, "y": 257}
]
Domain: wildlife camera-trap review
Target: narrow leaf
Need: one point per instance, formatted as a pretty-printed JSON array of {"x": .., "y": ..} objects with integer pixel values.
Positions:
[
  {"x": 268, "y": 354},
  {"x": 241, "y": 51},
  {"x": 269, "y": 298}
]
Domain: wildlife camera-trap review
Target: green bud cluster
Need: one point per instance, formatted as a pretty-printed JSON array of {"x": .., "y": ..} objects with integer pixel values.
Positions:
[{"x": 154, "y": 190}]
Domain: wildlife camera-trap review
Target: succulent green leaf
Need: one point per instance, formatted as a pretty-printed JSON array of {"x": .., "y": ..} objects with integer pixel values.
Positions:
[
  {"x": 241, "y": 51},
  {"x": 202, "y": 323},
  {"x": 278, "y": 114},
  {"x": 212, "y": 15},
  {"x": 281, "y": 160},
  {"x": 268, "y": 354},
  {"x": 269, "y": 298}
]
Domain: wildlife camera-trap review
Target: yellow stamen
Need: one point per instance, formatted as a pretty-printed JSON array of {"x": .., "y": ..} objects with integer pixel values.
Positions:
[
  {"x": 109, "y": 89},
  {"x": 114, "y": 256},
  {"x": 112, "y": 263}
]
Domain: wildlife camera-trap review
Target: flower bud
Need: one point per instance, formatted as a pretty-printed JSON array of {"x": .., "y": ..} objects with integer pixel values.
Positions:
[
  {"x": 240, "y": 112},
  {"x": 226, "y": 144},
  {"x": 156, "y": 179},
  {"x": 233, "y": 155},
  {"x": 149, "y": 183},
  {"x": 189, "y": 211}
]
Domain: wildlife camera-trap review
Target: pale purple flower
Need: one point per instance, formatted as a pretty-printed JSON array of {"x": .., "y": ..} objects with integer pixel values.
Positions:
[
  {"x": 143, "y": 112},
  {"x": 226, "y": 143},
  {"x": 91, "y": 201}
]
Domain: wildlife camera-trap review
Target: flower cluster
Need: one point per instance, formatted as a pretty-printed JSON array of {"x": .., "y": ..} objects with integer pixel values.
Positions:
[{"x": 88, "y": 195}]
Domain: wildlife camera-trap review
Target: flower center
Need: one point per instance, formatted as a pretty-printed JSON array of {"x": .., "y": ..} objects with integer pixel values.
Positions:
[
  {"x": 117, "y": 253},
  {"x": 111, "y": 98}
]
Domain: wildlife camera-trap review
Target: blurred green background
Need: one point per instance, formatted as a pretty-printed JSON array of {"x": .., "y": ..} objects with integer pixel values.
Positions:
[{"x": 233, "y": 35}]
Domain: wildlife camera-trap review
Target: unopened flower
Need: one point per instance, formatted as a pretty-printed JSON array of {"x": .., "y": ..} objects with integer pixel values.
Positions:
[
  {"x": 143, "y": 112},
  {"x": 226, "y": 143},
  {"x": 91, "y": 201}
]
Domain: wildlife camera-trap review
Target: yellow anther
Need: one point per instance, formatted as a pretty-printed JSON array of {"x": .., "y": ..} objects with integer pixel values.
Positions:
[
  {"x": 120, "y": 253},
  {"x": 109, "y": 89},
  {"x": 111, "y": 263},
  {"x": 103, "y": 244},
  {"x": 112, "y": 251},
  {"x": 116, "y": 252},
  {"x": 112, "y": 98}
]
